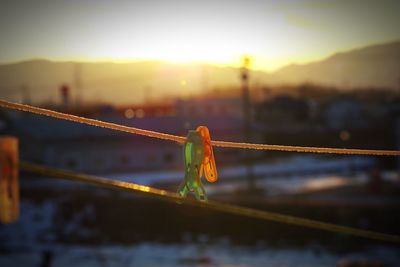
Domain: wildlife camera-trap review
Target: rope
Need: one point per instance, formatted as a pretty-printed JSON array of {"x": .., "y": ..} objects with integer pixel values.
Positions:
[
  {"x": 181, "y": 139},
  {"x": 102, "y": 124},
  {"x": 226, "y": 208}
]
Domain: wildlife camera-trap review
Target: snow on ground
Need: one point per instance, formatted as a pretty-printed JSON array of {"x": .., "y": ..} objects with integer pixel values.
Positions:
[
  {"x": 32, "y": 228},
  {"x": 23, "y": 244},
  {"x": 148, "y": 254}
]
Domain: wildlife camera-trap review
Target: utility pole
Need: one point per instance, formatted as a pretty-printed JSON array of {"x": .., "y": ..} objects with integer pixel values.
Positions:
[
  {"x": 78, "y": 83},
  {"x": 247, "y": 118}
]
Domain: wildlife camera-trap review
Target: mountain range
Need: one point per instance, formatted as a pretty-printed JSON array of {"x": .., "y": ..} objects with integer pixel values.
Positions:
[{"x": 375, "y": 66}]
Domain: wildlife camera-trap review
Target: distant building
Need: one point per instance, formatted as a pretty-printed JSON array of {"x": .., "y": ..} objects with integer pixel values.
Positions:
[
  {"x": 344, "y": 114},
  {"x": 210, "y": 106},
  {"x": 285, "y": 109}
]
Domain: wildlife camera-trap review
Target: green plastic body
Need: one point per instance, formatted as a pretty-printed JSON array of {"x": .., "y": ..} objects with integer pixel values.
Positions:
[{"x": 193, "y": 155}]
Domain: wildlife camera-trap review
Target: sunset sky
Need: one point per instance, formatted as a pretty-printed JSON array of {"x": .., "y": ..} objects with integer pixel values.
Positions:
[{"x": 274, "y": 33}]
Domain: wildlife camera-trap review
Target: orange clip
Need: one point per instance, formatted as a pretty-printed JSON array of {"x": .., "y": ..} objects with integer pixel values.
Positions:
[{"x": 209, "y": 167}]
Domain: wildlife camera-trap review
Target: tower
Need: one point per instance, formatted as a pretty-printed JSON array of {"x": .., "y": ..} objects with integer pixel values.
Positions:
[
  {"x": 247, "y": 119},
  {"x": 78, "y": 83}
]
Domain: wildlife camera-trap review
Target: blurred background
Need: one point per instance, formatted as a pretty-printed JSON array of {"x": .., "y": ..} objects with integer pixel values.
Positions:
[{"x": 306, "y": 73}]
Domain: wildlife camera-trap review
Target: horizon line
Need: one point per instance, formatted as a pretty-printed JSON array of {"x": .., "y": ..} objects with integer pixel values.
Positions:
[{"x": 194, "y": 62}]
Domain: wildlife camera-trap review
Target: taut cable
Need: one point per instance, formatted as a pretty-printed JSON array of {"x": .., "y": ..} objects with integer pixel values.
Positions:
[{"x": 181, "y": 139}]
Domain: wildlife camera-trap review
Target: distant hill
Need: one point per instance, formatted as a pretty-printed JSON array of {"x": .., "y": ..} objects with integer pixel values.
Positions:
[
  {"x": 373, "y": 66},
  {"x": 113, "y": 82}
]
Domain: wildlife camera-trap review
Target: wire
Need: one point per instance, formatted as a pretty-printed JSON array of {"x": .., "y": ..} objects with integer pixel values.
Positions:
[
  {"x": 226, "y": 208},
  {"x": 102, "y": 124},
  {"x": 181, "y": 139},
  {"x": 304, "y": 149}
]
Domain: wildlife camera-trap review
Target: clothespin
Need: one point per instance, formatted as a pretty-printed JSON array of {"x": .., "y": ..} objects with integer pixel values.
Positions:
[
  {"x": 9, "y": 186},
  {"x": 198, "y": 157}
]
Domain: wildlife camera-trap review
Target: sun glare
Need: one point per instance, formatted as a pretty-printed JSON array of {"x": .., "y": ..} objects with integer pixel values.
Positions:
[
  {"x": 189, "y": 44},
  {"x": 176, "y": 49}
]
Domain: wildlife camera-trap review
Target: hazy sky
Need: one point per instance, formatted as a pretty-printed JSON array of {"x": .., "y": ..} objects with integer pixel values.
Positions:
[{"x": 274, "y": 33}]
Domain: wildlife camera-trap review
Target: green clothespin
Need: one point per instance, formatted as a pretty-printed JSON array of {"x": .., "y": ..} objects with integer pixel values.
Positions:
[{"x": 198, "y": 156}]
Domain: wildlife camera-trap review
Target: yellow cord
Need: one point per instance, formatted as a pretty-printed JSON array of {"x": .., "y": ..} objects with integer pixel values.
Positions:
[{"x": 227, "y": 208}]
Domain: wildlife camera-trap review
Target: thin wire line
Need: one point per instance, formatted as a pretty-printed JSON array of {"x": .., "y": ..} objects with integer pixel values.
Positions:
[
  {"x": 226, "y": 208},
  {"x": 305, "y": 149},
  {"x": 181, "y": 139},
  {"x": 102, "y": 124}
]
